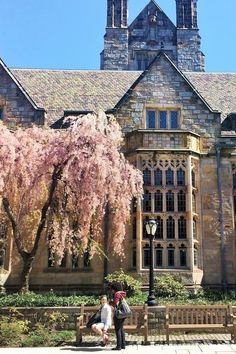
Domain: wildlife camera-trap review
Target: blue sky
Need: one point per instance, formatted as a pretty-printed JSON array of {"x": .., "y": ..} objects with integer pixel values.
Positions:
[{"x": 68, "y": 34}]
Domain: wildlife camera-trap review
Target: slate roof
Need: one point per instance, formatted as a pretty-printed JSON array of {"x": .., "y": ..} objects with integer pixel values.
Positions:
[
  {"x": 73, "y": 90},
  {"x": 59, "y": 90},
  {"x": 218, "y": 89}
]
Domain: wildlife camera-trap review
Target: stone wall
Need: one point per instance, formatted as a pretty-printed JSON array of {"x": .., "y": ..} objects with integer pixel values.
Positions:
[
  {"x": 189, "y": 55},
  {"x": 115, "y": 54},
  {"x": 163, "y": 87},
  {"x": 17, "y": 110}
]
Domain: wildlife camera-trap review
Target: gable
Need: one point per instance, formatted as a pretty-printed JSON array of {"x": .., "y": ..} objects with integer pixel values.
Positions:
[
  {"x": 152, "y": 27},
  {"x": 163, "y": 86},
  {"x": 16, "y": 106}
]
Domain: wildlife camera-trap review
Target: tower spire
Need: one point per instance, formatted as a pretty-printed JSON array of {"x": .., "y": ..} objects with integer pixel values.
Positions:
[
  {"x": 186, "y": 14},
  {"x": 117, "y": 13}
]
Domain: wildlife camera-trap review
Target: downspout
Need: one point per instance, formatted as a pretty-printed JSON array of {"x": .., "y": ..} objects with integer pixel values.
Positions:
[{"x": 224, "y": 277}]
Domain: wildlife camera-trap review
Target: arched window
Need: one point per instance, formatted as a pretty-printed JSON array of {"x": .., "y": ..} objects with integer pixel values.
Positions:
[
  {"x": 159, "y": 232},
  {"x": 134, "y": 258},
  {"x": 146, "y": 256},
  {"x": 181, "y": 177},
  {"x": 183, "y": 256},
  {"x": 169, "y": 177},
  {"x": 159, "y": 256},
  {"x": 182, "y": 228},
  {"x": 87, "y": 259},
  {"x": 147, "y": 177},
  {"x": 74, "y": 261},
  {"x": 147, "y": 205},
  {"x": 181, "y": 201},
  {"x": 170, "y": 205},
  {"x": 193, "y": 179},
  {"x": 194, "y": 229},
  {"x": 158, "y": 201},
  {"x": 194, "y": 205},
  {"x": 2, "y": 257},
  {"x": 170, "y": 227},
  {"x": 145, "y": 235},
  {"x": 158, "y": 177},
  {"x": 134, "y": 228},
  {"x": 195, "y": 259},
  {"x": 171, "y": 255}
]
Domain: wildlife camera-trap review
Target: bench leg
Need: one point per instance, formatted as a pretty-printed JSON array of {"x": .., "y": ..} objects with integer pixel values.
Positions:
[
  {"x": 233, "y": 335},
  {"x": 167, "y": 335},
  {"x": 79, "y": 338},
  {"x": 145, "y": 336}
]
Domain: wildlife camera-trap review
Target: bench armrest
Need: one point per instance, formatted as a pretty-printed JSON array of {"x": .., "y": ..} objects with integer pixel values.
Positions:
[
  {"x": 233, "y": 319},
  {"x": 80, "y": 320}
]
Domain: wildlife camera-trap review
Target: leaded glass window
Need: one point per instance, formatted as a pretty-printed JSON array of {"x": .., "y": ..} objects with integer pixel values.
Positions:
[
  {"x": 170, "y": 205},
  {"x": 147, "y": 206},
  {"x": 181, "y": 177},
  {"x": 147, "y": 177},
  {"x": 170, "y": 228},
  {"x": 159, "y": 256},
  {"x": 151, "y": 120},
  {"x": 173, "y": 119},
  {"x": 182, "y": 228},
  {"x": 158, "y": 177},
  {"x": 169, "y": 177},
  {"x": 159, "y": 231},
  {"x": 183, "y": 256},
  {"x": 181, "y": 201},
  {"x": 146, "y": 257},
  {"x": 163, "y": 119},
  {"x": 171, "y": 256},
  {"x": 158, "y": 201}
]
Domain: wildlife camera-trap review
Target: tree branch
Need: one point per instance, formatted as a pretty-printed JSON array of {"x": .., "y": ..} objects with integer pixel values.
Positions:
[
  {"x": 55, "y": 178},
  {"x": 15, "y": 229}
]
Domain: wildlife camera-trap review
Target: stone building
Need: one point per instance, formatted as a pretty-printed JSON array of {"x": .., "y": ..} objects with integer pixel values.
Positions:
[{"x": 179, "y": 124}]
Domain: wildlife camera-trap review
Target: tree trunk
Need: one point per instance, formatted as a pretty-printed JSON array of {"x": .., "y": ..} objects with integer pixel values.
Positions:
[
  {"x": 28, "y": 257},
  {"x": 27, "y": 267},
  {"x": 106, "y": 242}
]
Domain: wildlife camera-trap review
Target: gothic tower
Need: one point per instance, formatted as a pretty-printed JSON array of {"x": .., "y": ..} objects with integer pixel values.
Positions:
[
  {"x": 189, "y": 55},
  {"x": 115, "y": 53},
  {"x": 186, "y": 13}
]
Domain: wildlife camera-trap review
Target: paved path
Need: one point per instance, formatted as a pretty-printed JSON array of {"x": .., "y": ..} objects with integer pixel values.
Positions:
[{"x": 132, "y": 349}]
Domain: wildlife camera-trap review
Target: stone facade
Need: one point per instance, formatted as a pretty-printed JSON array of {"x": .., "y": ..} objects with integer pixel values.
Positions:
[
  {"x": 16, "y": 106},
  {"x": 179, "y": 130},
  {"x": 134, "y": 47}
]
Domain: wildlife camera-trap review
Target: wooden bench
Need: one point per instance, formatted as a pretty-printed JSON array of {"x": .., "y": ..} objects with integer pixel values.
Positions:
[
  {"x": 137, "y": 323},
  {"x": 187, "y": 318}
]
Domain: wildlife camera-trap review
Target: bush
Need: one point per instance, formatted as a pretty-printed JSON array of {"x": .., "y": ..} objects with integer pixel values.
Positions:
[
  {"x": 131, "y": 285},
  {"x": 12, "y": 329},
  {"x": 168, "y": 286},
  {"x": 45, "y": 300}
]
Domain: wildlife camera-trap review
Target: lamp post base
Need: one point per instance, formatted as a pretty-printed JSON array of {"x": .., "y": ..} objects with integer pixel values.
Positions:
[{"x": 151, "y": 301}]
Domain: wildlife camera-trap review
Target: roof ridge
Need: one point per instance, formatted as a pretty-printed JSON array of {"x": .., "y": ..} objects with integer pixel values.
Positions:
[
  {"x": 210, "y": 72},
  {"x": 78, "y": 70}
]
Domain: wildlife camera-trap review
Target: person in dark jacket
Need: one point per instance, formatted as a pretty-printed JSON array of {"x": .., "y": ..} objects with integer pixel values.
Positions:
[{"x": 118, "y": 295}]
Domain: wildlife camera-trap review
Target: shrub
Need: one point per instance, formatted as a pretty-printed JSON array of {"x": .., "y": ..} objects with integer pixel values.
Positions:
[
  {"x": 168, "y": 286},
  {"x": 12, "y": 329},
  {"x": 47, "y": 299},
  {"x": 131, "y": 285}
]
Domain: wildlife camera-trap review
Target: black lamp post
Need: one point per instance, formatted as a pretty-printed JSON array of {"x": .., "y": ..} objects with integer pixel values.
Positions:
[{"x": 151, "y": 227}]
